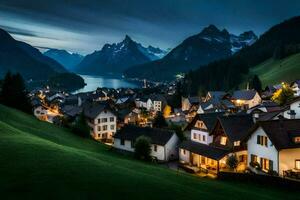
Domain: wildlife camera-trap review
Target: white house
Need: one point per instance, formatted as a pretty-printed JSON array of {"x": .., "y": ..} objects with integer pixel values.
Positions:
[
  {"x": 246, "y": 98},
  {"x": 40, "y": 112},
  {"x": 293, "y": 109},
  {"x": 187, "y": 103},
  {"x": 156, "y": 102},
  {"x": 163, "y": 142},
  {"x": 275, "y": 146},
  {"x": 102, "y": 121},
  {"x": 141, "y": 102},
  {"x": 227, "y": 133}
]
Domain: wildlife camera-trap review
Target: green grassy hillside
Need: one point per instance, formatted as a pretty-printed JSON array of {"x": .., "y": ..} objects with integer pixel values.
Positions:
[
  {"x": 41, "y": 161},
  {"x": 275, "y": 71}
]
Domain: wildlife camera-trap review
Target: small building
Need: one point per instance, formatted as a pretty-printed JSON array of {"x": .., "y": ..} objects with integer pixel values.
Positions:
[
  {"x": 187, "y": 103},
  {"x": 215, "y": 95},
  {"x": 246, "y": 99},
  {"x": 293, "y": 109},
  {"x": 156, "y": 102},
  {"x": 163, "y": 142},
  {"x": 101, "y": 120},
  {"x": 275, "y": 146},
  {"x": 228, "y": 138}
]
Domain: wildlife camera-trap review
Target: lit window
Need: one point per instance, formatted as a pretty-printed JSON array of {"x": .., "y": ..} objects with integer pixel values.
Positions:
[
  {"x": 297, "y": 139},
  {"x": 297, "y": 164},
  {"x": 195, "y": 136},
  {"x": 223, "y": 140},
  {"x": 237, "y": 143}
]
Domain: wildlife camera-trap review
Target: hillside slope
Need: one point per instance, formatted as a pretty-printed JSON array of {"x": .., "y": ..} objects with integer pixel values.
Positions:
[
  {"x": 41, "y": 161},
  {"x": 273, "y": 71}
]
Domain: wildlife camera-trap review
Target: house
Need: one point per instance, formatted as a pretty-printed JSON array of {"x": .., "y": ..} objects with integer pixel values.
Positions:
[
  {"x": 216, "y": 105},
  {"x": 296, "y": 87},
  {"x": 267, "y": 110},
  {"x": 293, "y": 109},
  {"x": 245, "y": 99},
  {"x": 227, "y": 138},
  {"x": 215, "y": 95},
  {"x": 187, "y": 103},
  {"x": 101, "y": 120},
  {"x": 156, "y": 102},
  {"x": 40, "y": 112},
  {"x": 275, "y": 146},
  {"x": 163, "y": 142},
  {"x": 128, "y": 116},
  {"x": 201, "y": 126},
  {"x": 141, "y": 102},
  {"x": 71, "y": 111}
]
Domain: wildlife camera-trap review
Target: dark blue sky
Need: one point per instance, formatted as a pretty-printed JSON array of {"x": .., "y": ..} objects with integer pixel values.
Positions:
[{"x": 83, "y": 26}]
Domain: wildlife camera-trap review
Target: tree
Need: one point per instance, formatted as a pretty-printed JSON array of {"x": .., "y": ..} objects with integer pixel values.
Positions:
[
  {"x": 232, "y": 162},
  {"x": 142, "y": 148},
  {"x": 283, "y": 95},
  {"x": 178, "y": 131},
  {"x": 159, "y": 121},
  {"x": 13, "y": 93},
  {"x": 256, "y": 83},
  {"x": 167, "y": 111},
  {"x": 81, "y": 127}
]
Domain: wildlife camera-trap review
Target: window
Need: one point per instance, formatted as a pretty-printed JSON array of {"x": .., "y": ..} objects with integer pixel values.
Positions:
[
  {"x": 104, "y": 127},
  {"x": 98, "y": 121},
  {"x": 253, "y": 158},
  {"x": 199, "y": 137},
  {"x": 194, "y": 136},
  {"x": 104, "y": 135},
  {"x": 183, "y": 151},
  {"x": 122, "y": 142},
  {"x": 112, "y": 127},
  {"x": 262, "y": 140},
  {"x": 266, "y": 164},
  {"x": 99, "y": 135},
  {"x": 99, "y": 128},
  {"x": 111, "y": 119},
  {"x": 297, "y": 139},
  {"x": 237, "y": 143},
  {"x": 203, "y": 138},
  {"x": 223, "y": 140},
  {"x": 103, "y": 120},
  {"x": 155, "y": 148},
  {"x": 297, "y": 164}
]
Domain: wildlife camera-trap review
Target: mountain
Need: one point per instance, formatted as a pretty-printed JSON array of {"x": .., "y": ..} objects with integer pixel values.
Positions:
[
  {"x": 117, "y": 57},
  {"x": 68, "y": 60},
  {"x": 17, "y": 56},
  {"x": 20, "y": 57},
  {"x": 209, "y": 45},
  {"x": 280, "y": 41}
]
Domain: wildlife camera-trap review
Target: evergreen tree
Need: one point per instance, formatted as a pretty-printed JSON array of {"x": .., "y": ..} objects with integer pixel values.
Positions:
[
  {"x": 159, "y": 121},
  {"x": 142, "y": 148},
  {"x": 81, "y": 127},
  {"x": 13, "y": 93},
  {"x": 256, "y": 84}
]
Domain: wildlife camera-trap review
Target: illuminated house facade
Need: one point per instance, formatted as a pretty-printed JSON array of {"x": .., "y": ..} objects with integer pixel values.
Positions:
[{"x": 275, "y": 146}]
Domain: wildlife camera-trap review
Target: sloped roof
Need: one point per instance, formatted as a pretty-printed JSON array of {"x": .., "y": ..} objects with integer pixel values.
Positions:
[
  {"x": 204, "y": 150},
  {"x": 92, "y": 110},
  {"x": 157, "y": 136},
  {"x": 280, "y": 132},
  {"x": 217, "y": 94},
  {"x": 236, "y": 126},
  {"x": 194, "y": 100},
  {"x": 244, "y": 94},
  {"x": 209, "y": 120}
]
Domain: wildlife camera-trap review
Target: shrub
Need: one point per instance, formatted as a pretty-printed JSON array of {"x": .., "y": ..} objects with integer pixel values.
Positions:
[
  {"x": 142, "y": 148},
  {"x": 81, "y": 127},
  {"x": 232, "y": 162}
]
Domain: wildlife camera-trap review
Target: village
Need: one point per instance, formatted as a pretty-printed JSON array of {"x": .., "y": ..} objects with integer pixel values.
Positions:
[{"x": 240, "y": 131}]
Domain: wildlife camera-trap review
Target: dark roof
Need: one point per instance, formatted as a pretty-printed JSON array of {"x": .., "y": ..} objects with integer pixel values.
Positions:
[
  {"x": 194, "y": 100},
  {"x": 204, "y": 150},
  {"x": 293, "y": 100},
  {"x": 209, "y": 120},
  {"x": 217, "y": 94},
  {"x": 269, "y": 115},
  {"x": 244, "y": 94},
  {"x": 158, "y": 97},
  {"x": 92, "y": 110},
  {"x": 157, "y": 136},
  {"x": 280, "y": 132},
  {"x": 71, "y": 110},
  {"x": 236, "y": 126}
]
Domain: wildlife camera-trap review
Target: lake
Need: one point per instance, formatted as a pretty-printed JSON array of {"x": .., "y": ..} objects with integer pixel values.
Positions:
[{"x": 93, "y": 82}]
